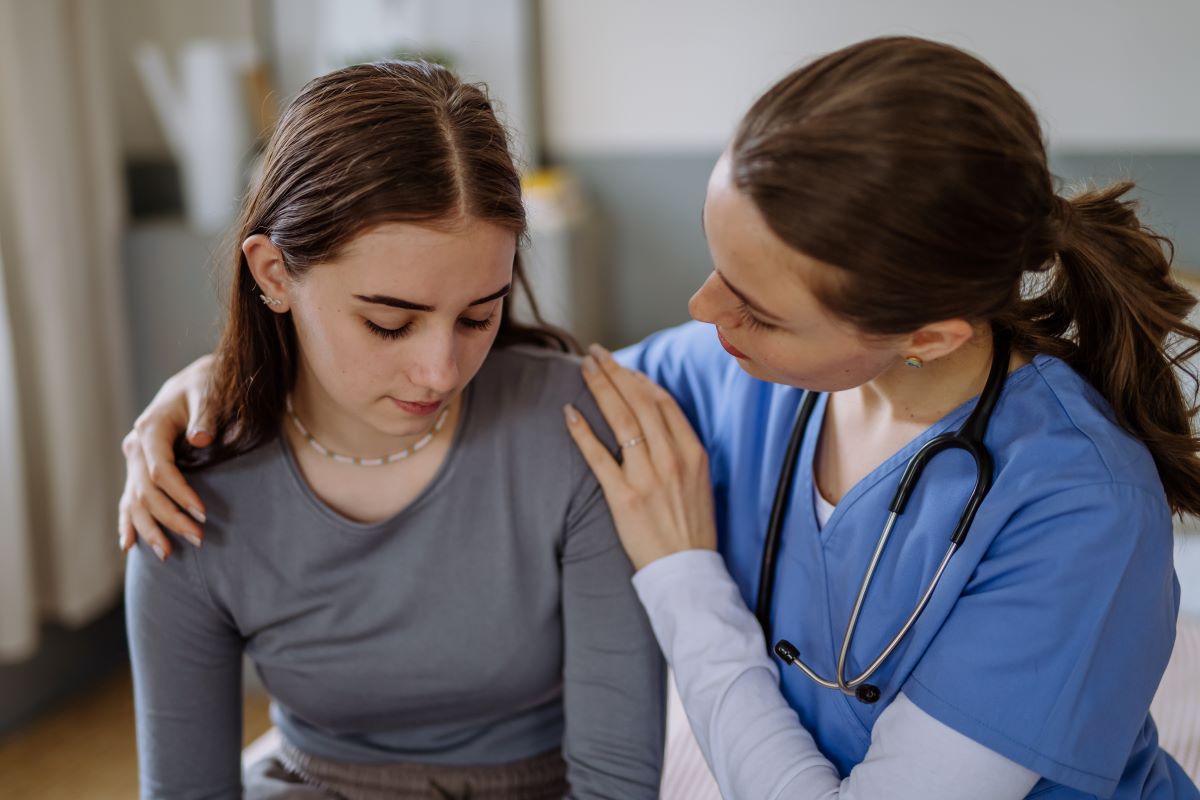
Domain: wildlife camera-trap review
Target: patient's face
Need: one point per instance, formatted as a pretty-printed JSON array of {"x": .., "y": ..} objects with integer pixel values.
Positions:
[{"x": 370, "y": 364}]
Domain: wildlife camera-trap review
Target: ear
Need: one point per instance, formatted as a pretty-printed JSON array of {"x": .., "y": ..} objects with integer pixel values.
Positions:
[
  {"x": 939, "y": 339},
  {"x": 266, "y": 265}
]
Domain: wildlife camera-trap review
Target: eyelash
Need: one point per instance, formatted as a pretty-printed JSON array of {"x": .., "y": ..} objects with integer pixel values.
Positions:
[
  {"x": 754, "y": 322},
  {"x": 404, "y": 330}
]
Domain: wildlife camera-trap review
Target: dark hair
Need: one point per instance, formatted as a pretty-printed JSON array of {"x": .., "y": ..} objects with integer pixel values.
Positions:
[
  {"x": 392, "y": 141},
  {"x": 920, "y": 175}
]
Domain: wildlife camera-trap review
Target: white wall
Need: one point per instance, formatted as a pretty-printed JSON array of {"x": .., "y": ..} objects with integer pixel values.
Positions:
[{"x": 626, "y": 75}]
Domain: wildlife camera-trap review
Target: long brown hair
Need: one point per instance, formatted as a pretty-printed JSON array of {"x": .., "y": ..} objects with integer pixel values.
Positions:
[
  {"x": 392, "y": 141},
  {"x": 920, "y": 174}
]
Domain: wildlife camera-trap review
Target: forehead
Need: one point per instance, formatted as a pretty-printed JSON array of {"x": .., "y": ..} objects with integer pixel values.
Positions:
[
  {"x": 749, "y": 254},
  {"x": 467, "y": 254}
]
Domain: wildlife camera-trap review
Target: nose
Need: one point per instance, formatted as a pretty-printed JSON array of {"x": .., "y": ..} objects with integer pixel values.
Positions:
[
  {"x": 436, "y": 365},
  {"x": 712, "y": 303}
]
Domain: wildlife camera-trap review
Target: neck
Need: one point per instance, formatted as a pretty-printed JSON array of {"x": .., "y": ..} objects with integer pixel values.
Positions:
[
  {"x": 344, "y": 433},
  {"x": 923, "y": 396}
]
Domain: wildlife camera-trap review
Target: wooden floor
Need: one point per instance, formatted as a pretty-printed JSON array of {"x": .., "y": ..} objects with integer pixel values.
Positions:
[{"x": 86, "y": 750}]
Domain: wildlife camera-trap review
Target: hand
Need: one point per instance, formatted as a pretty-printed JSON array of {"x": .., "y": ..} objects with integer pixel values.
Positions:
[
  {"x": 155, "y": 491},
  {"x": 661, "y": 496}
]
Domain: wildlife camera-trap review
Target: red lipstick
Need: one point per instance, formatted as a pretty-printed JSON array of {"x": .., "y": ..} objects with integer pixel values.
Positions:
[{"x": 733, "y": 351}]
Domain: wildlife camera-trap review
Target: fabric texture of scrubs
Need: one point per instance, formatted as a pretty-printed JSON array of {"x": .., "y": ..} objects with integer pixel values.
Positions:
[{"x": 1052, "y": 625}]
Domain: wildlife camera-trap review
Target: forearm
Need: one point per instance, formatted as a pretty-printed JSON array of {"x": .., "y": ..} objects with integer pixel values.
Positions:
[
  {"x": 751, "y": 738},
  {"x": 754, "y": 742}
]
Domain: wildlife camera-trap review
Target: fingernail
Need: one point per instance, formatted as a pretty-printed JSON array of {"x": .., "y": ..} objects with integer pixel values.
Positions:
[
  {"x": 197, "y": 514},
  {"x": 158, "y": 551},
  {"x": 590, "y": 365},
  {"x": 571, "y": 414},
  {"x": 194, "y": 540},
  {"x": 598, "y": 351}
]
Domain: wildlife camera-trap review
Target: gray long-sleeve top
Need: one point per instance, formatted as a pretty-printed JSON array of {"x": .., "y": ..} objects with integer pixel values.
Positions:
[{"x": 490, "y": 620}]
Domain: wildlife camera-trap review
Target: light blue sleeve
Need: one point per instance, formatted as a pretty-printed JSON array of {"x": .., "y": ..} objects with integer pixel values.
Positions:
[
  {"x": 1056, "y": 645},
  {"x": 754, "y": 742}
]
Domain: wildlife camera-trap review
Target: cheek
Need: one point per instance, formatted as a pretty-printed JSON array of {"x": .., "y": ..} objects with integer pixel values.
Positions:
[
  {"x": 317, "y": 344},
  {"x": 339, "y": 351},
  {"x": 829, "y": 366}
]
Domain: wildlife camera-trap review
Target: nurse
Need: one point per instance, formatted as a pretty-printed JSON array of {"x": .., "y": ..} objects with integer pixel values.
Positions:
[
  {"x": 885, "y": 233},
  {"x": 883, "y": 226}
]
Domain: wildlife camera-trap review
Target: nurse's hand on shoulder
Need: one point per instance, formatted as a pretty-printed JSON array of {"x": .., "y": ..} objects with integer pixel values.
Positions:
[
  {"x": 660, "y": 495},
  {"x": 155, "y": 491}
]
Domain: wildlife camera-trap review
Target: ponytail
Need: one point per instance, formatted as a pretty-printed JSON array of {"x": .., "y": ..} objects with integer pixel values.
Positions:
[{"x": 1111, "y": 309}]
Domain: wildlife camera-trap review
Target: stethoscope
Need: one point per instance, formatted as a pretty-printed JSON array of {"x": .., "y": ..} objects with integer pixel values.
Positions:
[{"x": 969, "y": 437}]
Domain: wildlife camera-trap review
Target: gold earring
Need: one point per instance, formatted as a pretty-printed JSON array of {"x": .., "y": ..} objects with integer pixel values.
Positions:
[{"x": 914, "y": 362}]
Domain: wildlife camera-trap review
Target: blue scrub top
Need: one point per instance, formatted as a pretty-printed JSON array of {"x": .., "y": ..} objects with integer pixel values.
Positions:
[{"x": 1052, "y": 625}]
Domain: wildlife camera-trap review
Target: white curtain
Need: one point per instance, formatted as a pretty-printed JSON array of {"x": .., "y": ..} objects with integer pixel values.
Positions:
[{"x": 64, "y": 387}]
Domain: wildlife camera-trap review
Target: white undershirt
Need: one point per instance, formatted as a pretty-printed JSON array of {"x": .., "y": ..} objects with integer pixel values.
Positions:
[
  {"x": 824, "y": 507},
  {"x": 753, "y": 740}
]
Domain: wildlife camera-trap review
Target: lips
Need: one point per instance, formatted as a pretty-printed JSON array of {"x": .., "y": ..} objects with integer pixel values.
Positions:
[
  {"x": 733, "y": 351},
  {"x": 417, "y": 409}
]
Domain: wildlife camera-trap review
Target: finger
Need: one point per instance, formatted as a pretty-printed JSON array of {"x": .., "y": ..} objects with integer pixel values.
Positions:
[
  {"x": 165, "y": 512},
  {"x": 141, "y": 489},
  {"x": 200, "y": 424},
  {"x": 635, "y": 389},
  {"x": 607, "y": 470},
  {"x": 612, "y": 405},
  {"x": 125, "y": 534},
  {"x": 156, "y": 442},
  {"x": 678, "y": 425},
  {"x": 150, "y": 533}
]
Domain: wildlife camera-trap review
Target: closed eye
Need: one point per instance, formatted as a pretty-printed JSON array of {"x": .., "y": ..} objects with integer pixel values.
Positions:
[
  {"x": 753, "y": 322},
  {"x": 389, "y": 333},
  {"x": 406, "y": 328}
]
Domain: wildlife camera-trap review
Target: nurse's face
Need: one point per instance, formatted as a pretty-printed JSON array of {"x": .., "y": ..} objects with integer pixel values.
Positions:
[{"x": 758, "y": 298}]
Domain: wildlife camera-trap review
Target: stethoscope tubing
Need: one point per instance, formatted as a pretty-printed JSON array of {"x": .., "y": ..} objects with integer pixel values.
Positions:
[{"x": 969, "y": 437}]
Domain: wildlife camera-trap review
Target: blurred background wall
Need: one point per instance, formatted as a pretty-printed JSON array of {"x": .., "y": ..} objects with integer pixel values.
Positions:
[{"x": 619, "y": 110}]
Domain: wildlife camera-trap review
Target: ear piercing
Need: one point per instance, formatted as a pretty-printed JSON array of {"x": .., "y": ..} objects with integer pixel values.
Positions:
[
  {"x": 914, "y": 362},
  {"x": 270, "y": 301}
]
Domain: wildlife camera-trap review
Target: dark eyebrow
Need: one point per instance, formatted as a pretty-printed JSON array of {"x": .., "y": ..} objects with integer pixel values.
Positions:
[
  {"x": 753, "y": 306},
  {"x": 396, "y": 302}
]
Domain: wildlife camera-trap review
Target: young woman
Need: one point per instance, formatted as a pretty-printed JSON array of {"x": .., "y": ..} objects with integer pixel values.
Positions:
[
  {"x": 399, "y": 532},
  {"x": 938, "y": 438}
]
